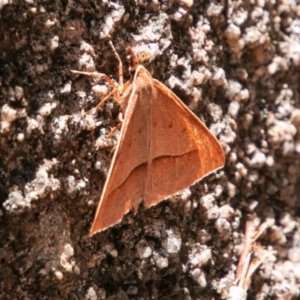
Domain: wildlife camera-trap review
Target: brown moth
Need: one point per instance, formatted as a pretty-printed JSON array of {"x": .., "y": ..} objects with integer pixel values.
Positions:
[{"x": 163, "y": 147}]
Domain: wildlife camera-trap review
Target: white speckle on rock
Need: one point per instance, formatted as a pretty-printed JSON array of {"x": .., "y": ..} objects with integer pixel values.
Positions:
[
  {"x": 197, "y": 77},
  {"x": 199, "y": 255},
  {"x": 42, "y": 185},
  {"x": 224, "y": 228},
  {"x": 111, "y": 250},
  {"x": 86, "y": 62},
  {"x": 20, "y": 137},
  {"x": 88, "y": 123},
  {"x": 244, "y": 95},
  {"x": 234, "y": 108},
  {"x": 232, "y": 33},
  {"x": 91, "y": 294},
  {"x": 68, "y": 250},
  {"x": 218, "y": 190},
  {"x": 173, "y": 241},
  {"x": 87, "y": 48},
  {"x": 231, "y": 189},
  {"x": 66, "y": 89},
  {"x": 73, "y": 185},
  {"x": 66, "y": 260},
  {"x": 218, "y": 78},
  {"x": 104, "y": 142},
  {"x": 14, "y": 201},
  {"x": 100, "y": 91},
  {"x": 288, "y": 222},
  {"x": 258, "y": 160},
  {"x": 226, "y": 211},
  {"x": 49, "y": 23},
  {"x": 114, "y": 253},
  {"x": 214, "y": 10},
  {"x": 47, "y": 109},
  {"x": 199, "y": 277},
  {"x": 112, "y": 17},
  {"x": 185, "y": 194},
  {"x": 253, "y": 37},
  {"x": 233, "y": 90},
  {"x": 277, "y": 276},
  {"x": 186, "y": 3},
  {"x": 8, "y": 114},
  {"x": 173, "y": 81},
  {"x": 278, "y": 64},
  {"x": 179, "y": 15},
  {"x": 32, "y": 125},
  {"x": 241, "y": 171},
  {"x": 294, "y": 255},
  {"x": 207, "y": 201},
  {"x": 237, "y": 293},
  {"x": 160, "y": 261},
  {"x": 143, "y": 249},
  {"x": 54, "y": 43},
  {"x": 280, "y": 134},
  {"x": 59, "y": 275}
]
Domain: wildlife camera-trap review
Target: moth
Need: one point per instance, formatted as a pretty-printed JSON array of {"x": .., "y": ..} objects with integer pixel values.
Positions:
[{"x": 163, "y": 147}]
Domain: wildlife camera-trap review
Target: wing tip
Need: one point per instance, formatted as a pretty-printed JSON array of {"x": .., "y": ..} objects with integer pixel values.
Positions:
[
  {"x": 97, "y": 229},
  {"x": 102, "y": 224}
]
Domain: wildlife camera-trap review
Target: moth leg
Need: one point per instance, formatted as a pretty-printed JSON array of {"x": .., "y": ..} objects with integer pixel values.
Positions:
[
  {"x": 100, "y": 104},
  {"x": 114, "y": 130},
  {"x": 120, "y": 120},
  {"x": 112, "y": 151},
  {"x": 120, "y": 117},
  {"x": 117, "y": 127},
  {"x": 97, "y": 75},
  {"x": 120, "y": 67},
  {"x": 116, "y": 88},
  {"x": 109, "y": 81}
]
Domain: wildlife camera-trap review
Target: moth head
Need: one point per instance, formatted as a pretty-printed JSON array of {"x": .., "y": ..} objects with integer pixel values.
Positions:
[{"x": 133, "y": 60}]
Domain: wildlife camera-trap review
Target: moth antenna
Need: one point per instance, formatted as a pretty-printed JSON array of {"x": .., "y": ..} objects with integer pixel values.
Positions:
[
  {"x": 120, "y": 64},
  {"x": 133, "y": 58}
]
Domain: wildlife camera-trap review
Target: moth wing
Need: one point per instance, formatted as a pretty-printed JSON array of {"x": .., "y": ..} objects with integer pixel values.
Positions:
[
  {"x": 163, "y": 148},
  {"x": 126, "y": 179},
  {"x": 183, "y": 150}
]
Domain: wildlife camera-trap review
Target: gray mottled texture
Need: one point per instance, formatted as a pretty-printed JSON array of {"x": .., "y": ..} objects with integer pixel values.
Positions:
[{"x": 236, "y": 64}]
